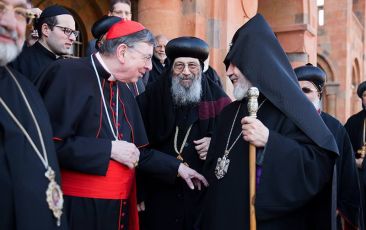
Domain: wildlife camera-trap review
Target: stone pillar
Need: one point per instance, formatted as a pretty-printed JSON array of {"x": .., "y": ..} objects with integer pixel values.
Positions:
[{"x": 330, "y": 99}]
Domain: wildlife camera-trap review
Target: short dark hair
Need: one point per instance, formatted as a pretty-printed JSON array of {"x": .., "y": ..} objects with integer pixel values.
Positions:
[
  {"x": 109, "y": 47},
  {"x": 114, "y": 2},
  {"x": 50, "y": 21}
]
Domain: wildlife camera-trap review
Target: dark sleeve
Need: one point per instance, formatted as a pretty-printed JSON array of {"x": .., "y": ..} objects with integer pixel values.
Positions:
[
  {"x": 294, "y": 171},
  {"x": 69, "y": 106},
  {"x": 348, "y": 187},
  {"x": 159, "y": 165}
]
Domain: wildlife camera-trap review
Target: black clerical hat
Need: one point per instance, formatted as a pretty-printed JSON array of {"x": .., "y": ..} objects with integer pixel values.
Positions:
[
  {"x": 102, "y": 26},
  {"x": 187, "y": 47},
  {"x": 258, "y": 54},
  {"x": 361, "y": 88},
  {"x": 311, "y": 73},
  {"x": 53, "y": 11}
]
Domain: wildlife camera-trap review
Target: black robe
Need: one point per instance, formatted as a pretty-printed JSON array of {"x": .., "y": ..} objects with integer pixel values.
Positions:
[
  {"x": 348, "y": 190},
  {"x": 354, "y": 127},
  {"x": 157, "y": 69},
  {"x": 22, "y": 181},
  {"x": 212, "y": 75},
  {"x": 294, "y": 170},
  {"x": 175, "y": 201},
  {"x": 72, "y": 97},
  {"x": 33, "y": 60}
]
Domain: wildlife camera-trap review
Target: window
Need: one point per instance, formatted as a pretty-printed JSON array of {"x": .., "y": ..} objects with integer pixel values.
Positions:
[{"x": 320, "y": 4}]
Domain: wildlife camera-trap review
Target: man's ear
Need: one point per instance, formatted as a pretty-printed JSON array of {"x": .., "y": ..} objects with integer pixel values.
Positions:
[
  {"x": 45, "y": 30},
  {"x": 121, "y": 52}
]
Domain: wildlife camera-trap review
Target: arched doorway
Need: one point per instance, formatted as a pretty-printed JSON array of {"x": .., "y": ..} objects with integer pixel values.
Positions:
[{"x": 331, "y": 87}]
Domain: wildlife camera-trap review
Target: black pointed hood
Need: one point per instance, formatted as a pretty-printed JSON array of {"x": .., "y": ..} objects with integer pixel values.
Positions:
[{"x": 256, "y": 51}]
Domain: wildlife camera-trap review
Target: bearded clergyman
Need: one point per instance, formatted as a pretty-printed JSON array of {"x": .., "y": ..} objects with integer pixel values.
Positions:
[
  {"x": 179, "y": 112},
  {"x": 295, "y": 151}
]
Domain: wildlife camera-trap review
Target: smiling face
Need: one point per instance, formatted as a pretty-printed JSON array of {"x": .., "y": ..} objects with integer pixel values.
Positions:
[
  {"x": 12, "y": 30},
  {"x": 186, "y": 69},
  {"x": 135, "y": 62},
  {"x": 240, "y": 82}
]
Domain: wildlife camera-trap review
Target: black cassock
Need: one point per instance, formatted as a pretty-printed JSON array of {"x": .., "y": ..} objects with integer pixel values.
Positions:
[
  {"x": 348, "y": 190},
  {"x": 293, "y": 171},
  {"x": 33, "y": 60},
  {"x": 83, "y": 137},
  {"x": 22, "y": 181},
  {"x": 355, "y": 129},
  {"x": 175, "y": 201}
]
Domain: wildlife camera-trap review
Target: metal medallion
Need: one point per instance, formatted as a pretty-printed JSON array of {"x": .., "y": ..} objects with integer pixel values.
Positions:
[
  {"x": 54, "y": 196},
  {"x": 222, "y": 166}
]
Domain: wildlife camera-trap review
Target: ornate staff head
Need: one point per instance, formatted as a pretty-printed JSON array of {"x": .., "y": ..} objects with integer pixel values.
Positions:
[{"x": 253, "y": 94}]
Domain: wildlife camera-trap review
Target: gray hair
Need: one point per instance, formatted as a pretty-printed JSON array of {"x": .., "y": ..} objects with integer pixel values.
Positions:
[{"x": 109, "y": 47}]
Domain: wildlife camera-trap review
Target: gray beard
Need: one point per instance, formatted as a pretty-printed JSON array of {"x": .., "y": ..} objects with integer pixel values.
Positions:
[
  {"x": 240, "y": 91},
  {"x": 185, "y": 96},
  {"x": 317, "y": 104},
  {"x": 8, "y": 53}
]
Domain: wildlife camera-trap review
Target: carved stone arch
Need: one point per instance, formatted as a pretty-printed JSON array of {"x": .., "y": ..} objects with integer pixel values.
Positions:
[
  {"x": 331, "y": 87},
  {"x": 356, "y": 80}
]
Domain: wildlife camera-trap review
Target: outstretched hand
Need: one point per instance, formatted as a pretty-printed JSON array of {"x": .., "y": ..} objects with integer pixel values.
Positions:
[{"x": 192, "y": 178}]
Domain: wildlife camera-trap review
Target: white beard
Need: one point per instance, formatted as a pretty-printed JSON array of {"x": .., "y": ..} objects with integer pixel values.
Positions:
[
  {"x": 182, "y": 95},
  {"x": 241, "y": 90},
  {"x": 8, "y": 52},
  {"x": 317, "y": 104}
]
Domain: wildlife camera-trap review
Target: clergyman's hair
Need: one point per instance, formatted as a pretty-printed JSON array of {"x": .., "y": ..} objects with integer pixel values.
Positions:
[
  {"x": 109, "y": 47},
  {"x": 50, "y": 21},
  {"x": 114, "y": 2}
]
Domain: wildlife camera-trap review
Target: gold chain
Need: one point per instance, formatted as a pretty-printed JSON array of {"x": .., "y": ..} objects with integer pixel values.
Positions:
[{"x": 179, "y": 157}]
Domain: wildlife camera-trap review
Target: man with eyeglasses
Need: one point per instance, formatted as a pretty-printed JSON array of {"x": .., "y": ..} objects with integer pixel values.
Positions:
[
  {"x": 179, "y": 112},
  {"x": 117, "y": 8},
  {"x": 311, "y": 80},
  {"x": 159, "y": 59},
  {"x": 29, "y": 193},
  {"x": 56, "y": 30},
  {"x": 99, "y": 134}
]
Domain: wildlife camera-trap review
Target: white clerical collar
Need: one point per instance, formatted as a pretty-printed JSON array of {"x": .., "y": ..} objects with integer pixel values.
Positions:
[{"x": 100, "y": 59}]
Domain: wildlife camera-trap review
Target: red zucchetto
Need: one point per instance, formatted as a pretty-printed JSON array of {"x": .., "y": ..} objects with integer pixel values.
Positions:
[{"x": 124, "y": 28}]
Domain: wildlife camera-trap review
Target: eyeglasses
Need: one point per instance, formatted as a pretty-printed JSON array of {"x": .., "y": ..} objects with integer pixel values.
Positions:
[
  {"x": 21, "y": 13},
  {"x": 307, "y": 90},
  {"x": 147, "y": 58},
  {"x": 121, "y": 13},
  {"x": 180, "y": 66},
  {"x": 68, "y": 31}
]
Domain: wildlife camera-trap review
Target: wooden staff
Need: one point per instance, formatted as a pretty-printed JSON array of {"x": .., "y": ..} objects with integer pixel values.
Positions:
[{"x": 253, "y": 94}]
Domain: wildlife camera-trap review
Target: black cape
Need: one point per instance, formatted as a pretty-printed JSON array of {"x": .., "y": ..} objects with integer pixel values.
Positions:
[
  {"x": 348, "y": 189},
  {"x": 354, "y": 127},
  {"x": 175, "y": 201},
  {"x": 212, "y": 75},
  {"x": 294, "y": 170},
  {"x": 33, "y": 60},
  {"x": 22, "y": 181},
  {"x": 72, "y": 97}
]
